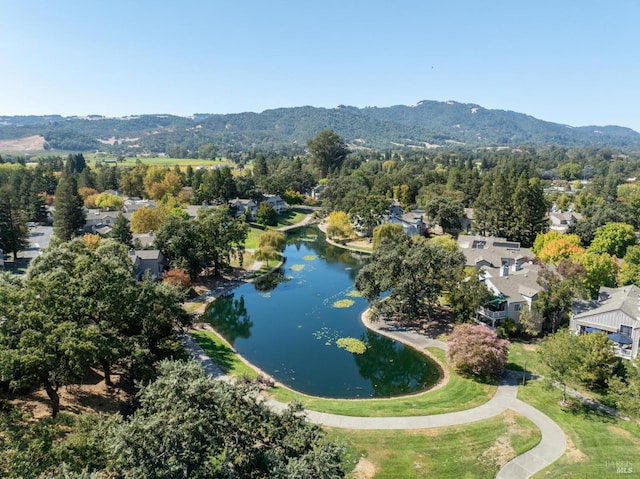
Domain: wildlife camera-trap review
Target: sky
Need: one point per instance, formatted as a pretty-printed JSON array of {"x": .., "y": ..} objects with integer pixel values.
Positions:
[{"x": 570, "y": 62}]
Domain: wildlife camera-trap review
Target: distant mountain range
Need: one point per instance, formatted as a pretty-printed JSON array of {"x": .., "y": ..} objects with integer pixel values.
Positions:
[{"x": 428, "y": 124}]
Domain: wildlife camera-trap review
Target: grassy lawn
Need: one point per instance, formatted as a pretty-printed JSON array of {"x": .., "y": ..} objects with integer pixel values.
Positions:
[
  {"x": 519, "y": 352},
  {"x": 252, "y": 238},
  {"x": 222, "y": 354},
  {"x": 288, "y": 218},
  {"x": 475, "y": 450},
  {"x": 597, "y": 443},
  {"x": 458, "y": 394}
]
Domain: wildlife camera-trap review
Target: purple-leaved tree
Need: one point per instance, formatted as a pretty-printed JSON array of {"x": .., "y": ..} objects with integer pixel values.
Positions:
[{"x": 476, "y": 350}]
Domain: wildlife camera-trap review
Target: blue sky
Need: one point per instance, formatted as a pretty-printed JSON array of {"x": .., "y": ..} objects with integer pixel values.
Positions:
[{"x": 568, "y": 62}]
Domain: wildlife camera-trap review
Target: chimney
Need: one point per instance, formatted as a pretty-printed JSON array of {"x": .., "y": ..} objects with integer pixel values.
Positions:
[{"x": 504, "y": 270}]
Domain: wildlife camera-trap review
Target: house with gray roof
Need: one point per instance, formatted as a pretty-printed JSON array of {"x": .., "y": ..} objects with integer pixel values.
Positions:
[
  {"x": 277, "y": 203},
  {"x": 243, "y": 206},
  {"x": 147, "y": 260},
  {"x": 616, "y": 312},
  {"x": 561, "y": 222},
  {"x": 96, "y": 219},
  {"x": 412, "y": 221},
  {"x": 507, "y": 271}
]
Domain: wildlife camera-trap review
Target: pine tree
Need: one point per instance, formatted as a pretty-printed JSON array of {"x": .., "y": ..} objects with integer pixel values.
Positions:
[
  {"x": 13, "y": 223},
  {"x": 68, "y": 216},
  {"x": 121, "y": 231},
  {"x": 528, "y": 216}
]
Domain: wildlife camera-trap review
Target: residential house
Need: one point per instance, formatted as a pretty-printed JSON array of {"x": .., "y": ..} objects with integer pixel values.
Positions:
[
  {"x": 507, "y": 271},
  {"x": 412, "y": 222},
  {"x": 132, "y": 204},
  {"x": 143, "y": 240},
  {"x": 316, "y": 192},
  {"x": 616, "y": 312},
  {"x": 242, "y": 206},
  {"x": 277, "y": 203},
  {"x": 147, "y": 260},
  {"x": 561, "y": 222},
  {"x": 192, "y": 210},
  {"x": 466, "y": 222},
  {"x": 96, "y": 219}
]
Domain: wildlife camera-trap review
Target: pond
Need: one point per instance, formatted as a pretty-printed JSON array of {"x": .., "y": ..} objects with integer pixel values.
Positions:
[{"x": 289, "y": 325}]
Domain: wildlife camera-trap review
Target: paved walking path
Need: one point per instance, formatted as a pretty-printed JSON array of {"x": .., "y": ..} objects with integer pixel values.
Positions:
[{"x": 550, "y": 448}]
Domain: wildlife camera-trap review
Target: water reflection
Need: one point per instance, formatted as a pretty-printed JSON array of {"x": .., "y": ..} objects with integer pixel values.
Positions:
[
  {"x": 288, "y": 325},
  {"x": 392, "y": 368},
  {"x": 230, "y": 317}
]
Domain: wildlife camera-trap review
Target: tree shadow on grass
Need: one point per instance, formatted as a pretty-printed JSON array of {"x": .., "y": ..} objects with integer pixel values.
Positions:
[
  {"x": 587, "y": 411},
  {"x": 220, "y": 354}
]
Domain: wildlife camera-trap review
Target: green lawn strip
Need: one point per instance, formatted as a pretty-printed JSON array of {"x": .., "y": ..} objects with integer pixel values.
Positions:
[
  {"x": 222, "y": 354},
  {"x": 252, "y": 238},
  {"x": 290, "y": 217},
  {"x": 519, "y": 352},
  {"x": 458, "y": 394},
  {"x": 475, "y": 450},
  {"x": 597, "y": 443}
]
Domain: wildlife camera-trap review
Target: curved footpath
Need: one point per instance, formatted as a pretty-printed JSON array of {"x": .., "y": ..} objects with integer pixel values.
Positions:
[{"x": 550, "y": 448}]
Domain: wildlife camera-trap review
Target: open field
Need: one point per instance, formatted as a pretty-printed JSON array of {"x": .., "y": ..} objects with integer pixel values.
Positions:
[
  {"x": 475, "y": 450},
  {"x": 157, "y": 161}
]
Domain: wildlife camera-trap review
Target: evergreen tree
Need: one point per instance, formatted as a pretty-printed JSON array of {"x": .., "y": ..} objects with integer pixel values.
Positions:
[
  {"x": 13, "y": 223},
  {"x": 121, "y": 231},
  {"x": 68, "y": 216},
  {"x": 528, "y": 215},
  {"x": 328, "y": 151}
]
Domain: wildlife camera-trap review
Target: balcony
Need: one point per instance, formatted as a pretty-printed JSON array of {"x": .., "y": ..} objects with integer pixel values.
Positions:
[
  {"x": 623, "y": 353},
  {"x": 492, "y": 314}
]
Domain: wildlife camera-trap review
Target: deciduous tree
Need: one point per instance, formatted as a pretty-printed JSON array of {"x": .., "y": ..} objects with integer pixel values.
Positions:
[
  {"x": 476, "y": 350},
  {"x": 613, "y": 239},
  {"x": 413, "y": 271},
  {"x": 559, "y": 354},
  {"x": 189, "y": 425}
]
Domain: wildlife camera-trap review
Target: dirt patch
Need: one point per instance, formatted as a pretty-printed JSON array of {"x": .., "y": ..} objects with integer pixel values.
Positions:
[
  {"x": 91, "y": 396},
  {"x": 21, "y": 145},
  {"x": 365, "y": 469},
  {"x": 530, "y": 347},
  {"x": 573, "y": 453}
]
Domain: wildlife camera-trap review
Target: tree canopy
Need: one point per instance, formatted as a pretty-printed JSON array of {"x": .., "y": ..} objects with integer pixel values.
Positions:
[
  {"x": 414, "y": 272},
  {"x": 327, "y": 151}
]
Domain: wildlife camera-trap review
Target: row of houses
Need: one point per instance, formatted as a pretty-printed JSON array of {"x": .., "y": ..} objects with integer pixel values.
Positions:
[
  {"x": 147, "y": 260},
  {"x": 510, "y": 274}
]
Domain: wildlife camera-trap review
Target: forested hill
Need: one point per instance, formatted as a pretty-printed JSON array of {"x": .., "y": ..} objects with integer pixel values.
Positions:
[{"x": 426, "y": 124}]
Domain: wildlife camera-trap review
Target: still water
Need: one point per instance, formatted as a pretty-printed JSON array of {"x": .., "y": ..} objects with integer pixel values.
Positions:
[{"x": 288, "y": 326}]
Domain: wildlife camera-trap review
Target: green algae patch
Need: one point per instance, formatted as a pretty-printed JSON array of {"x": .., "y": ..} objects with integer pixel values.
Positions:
[
  {"x": 310, "y": 257},
  {"x": 343, "y": 303},
  {"x": 297, "y": 267},
  {"x": 354, "y": 293},
  {"x": 352, "y": 345}
]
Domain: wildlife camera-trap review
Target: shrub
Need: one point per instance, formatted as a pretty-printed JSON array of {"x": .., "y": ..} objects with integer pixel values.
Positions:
[
  {"x": 476, "y": 350},
  {"x": 177, "y": 277}
]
